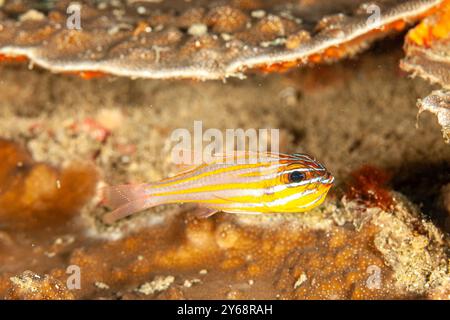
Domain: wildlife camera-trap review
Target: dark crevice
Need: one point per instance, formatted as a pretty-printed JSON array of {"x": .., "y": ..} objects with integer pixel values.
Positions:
[{"x": 422, "y": 183}]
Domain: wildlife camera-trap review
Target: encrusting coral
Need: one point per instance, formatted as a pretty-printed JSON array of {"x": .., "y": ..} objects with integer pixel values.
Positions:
[{"x": 349, "y": 248}]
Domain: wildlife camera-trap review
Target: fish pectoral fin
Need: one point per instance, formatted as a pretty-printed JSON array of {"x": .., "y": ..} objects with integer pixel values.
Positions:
[{"x": 204, "y": 212}]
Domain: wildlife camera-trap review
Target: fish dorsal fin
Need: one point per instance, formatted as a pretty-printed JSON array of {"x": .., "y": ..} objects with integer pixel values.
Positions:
[
  {"x": 246, "y": 155},
  {"x": 182, "y": 170},
  {"x": 233, "y": 156}
]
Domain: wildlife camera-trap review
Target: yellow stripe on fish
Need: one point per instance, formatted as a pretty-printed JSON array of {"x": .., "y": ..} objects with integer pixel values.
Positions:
[{"x": 258, "y": 183}]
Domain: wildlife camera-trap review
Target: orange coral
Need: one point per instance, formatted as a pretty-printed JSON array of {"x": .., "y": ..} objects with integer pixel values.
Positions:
[
  {"x": 88, "y": 75},
  {"x": 432, "y": 29},
  {"x": 369, "y": 186},
  {"x": 340, "y": 51},
  {"x": 334, "y": 264},
  {"x": 7, "y": 58},
  {"x": 226, "y": 19},
  {"x": 83, "y": 74},
  {"x": 35, "y": 194}
]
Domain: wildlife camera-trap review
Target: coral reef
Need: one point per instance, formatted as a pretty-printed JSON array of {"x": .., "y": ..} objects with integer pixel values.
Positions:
[
  {"x": 427, "y": 49},
  {"x": 29, "y": 285},
  {"x": 382, "y": 232},
  {"x": 438, "y": 103},
  {"x": 330, "y": 253},
  {"x": 172, "y": 39},
  {"x": 374, "y": 238}
]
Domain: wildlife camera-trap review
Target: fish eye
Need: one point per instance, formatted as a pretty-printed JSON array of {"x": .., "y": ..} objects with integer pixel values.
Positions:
[{"x": 296, "y": 176}]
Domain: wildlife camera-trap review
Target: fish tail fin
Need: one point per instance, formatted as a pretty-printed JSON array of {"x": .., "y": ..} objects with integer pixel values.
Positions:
[{"x": 124, "y": 200}]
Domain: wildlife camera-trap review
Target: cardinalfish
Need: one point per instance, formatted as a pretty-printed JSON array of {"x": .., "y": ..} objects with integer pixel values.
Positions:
[{"x": 262, "y": 183}]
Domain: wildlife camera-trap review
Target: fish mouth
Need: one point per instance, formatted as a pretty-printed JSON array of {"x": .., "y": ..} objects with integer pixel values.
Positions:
[{"x": 328, "y": 180}]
